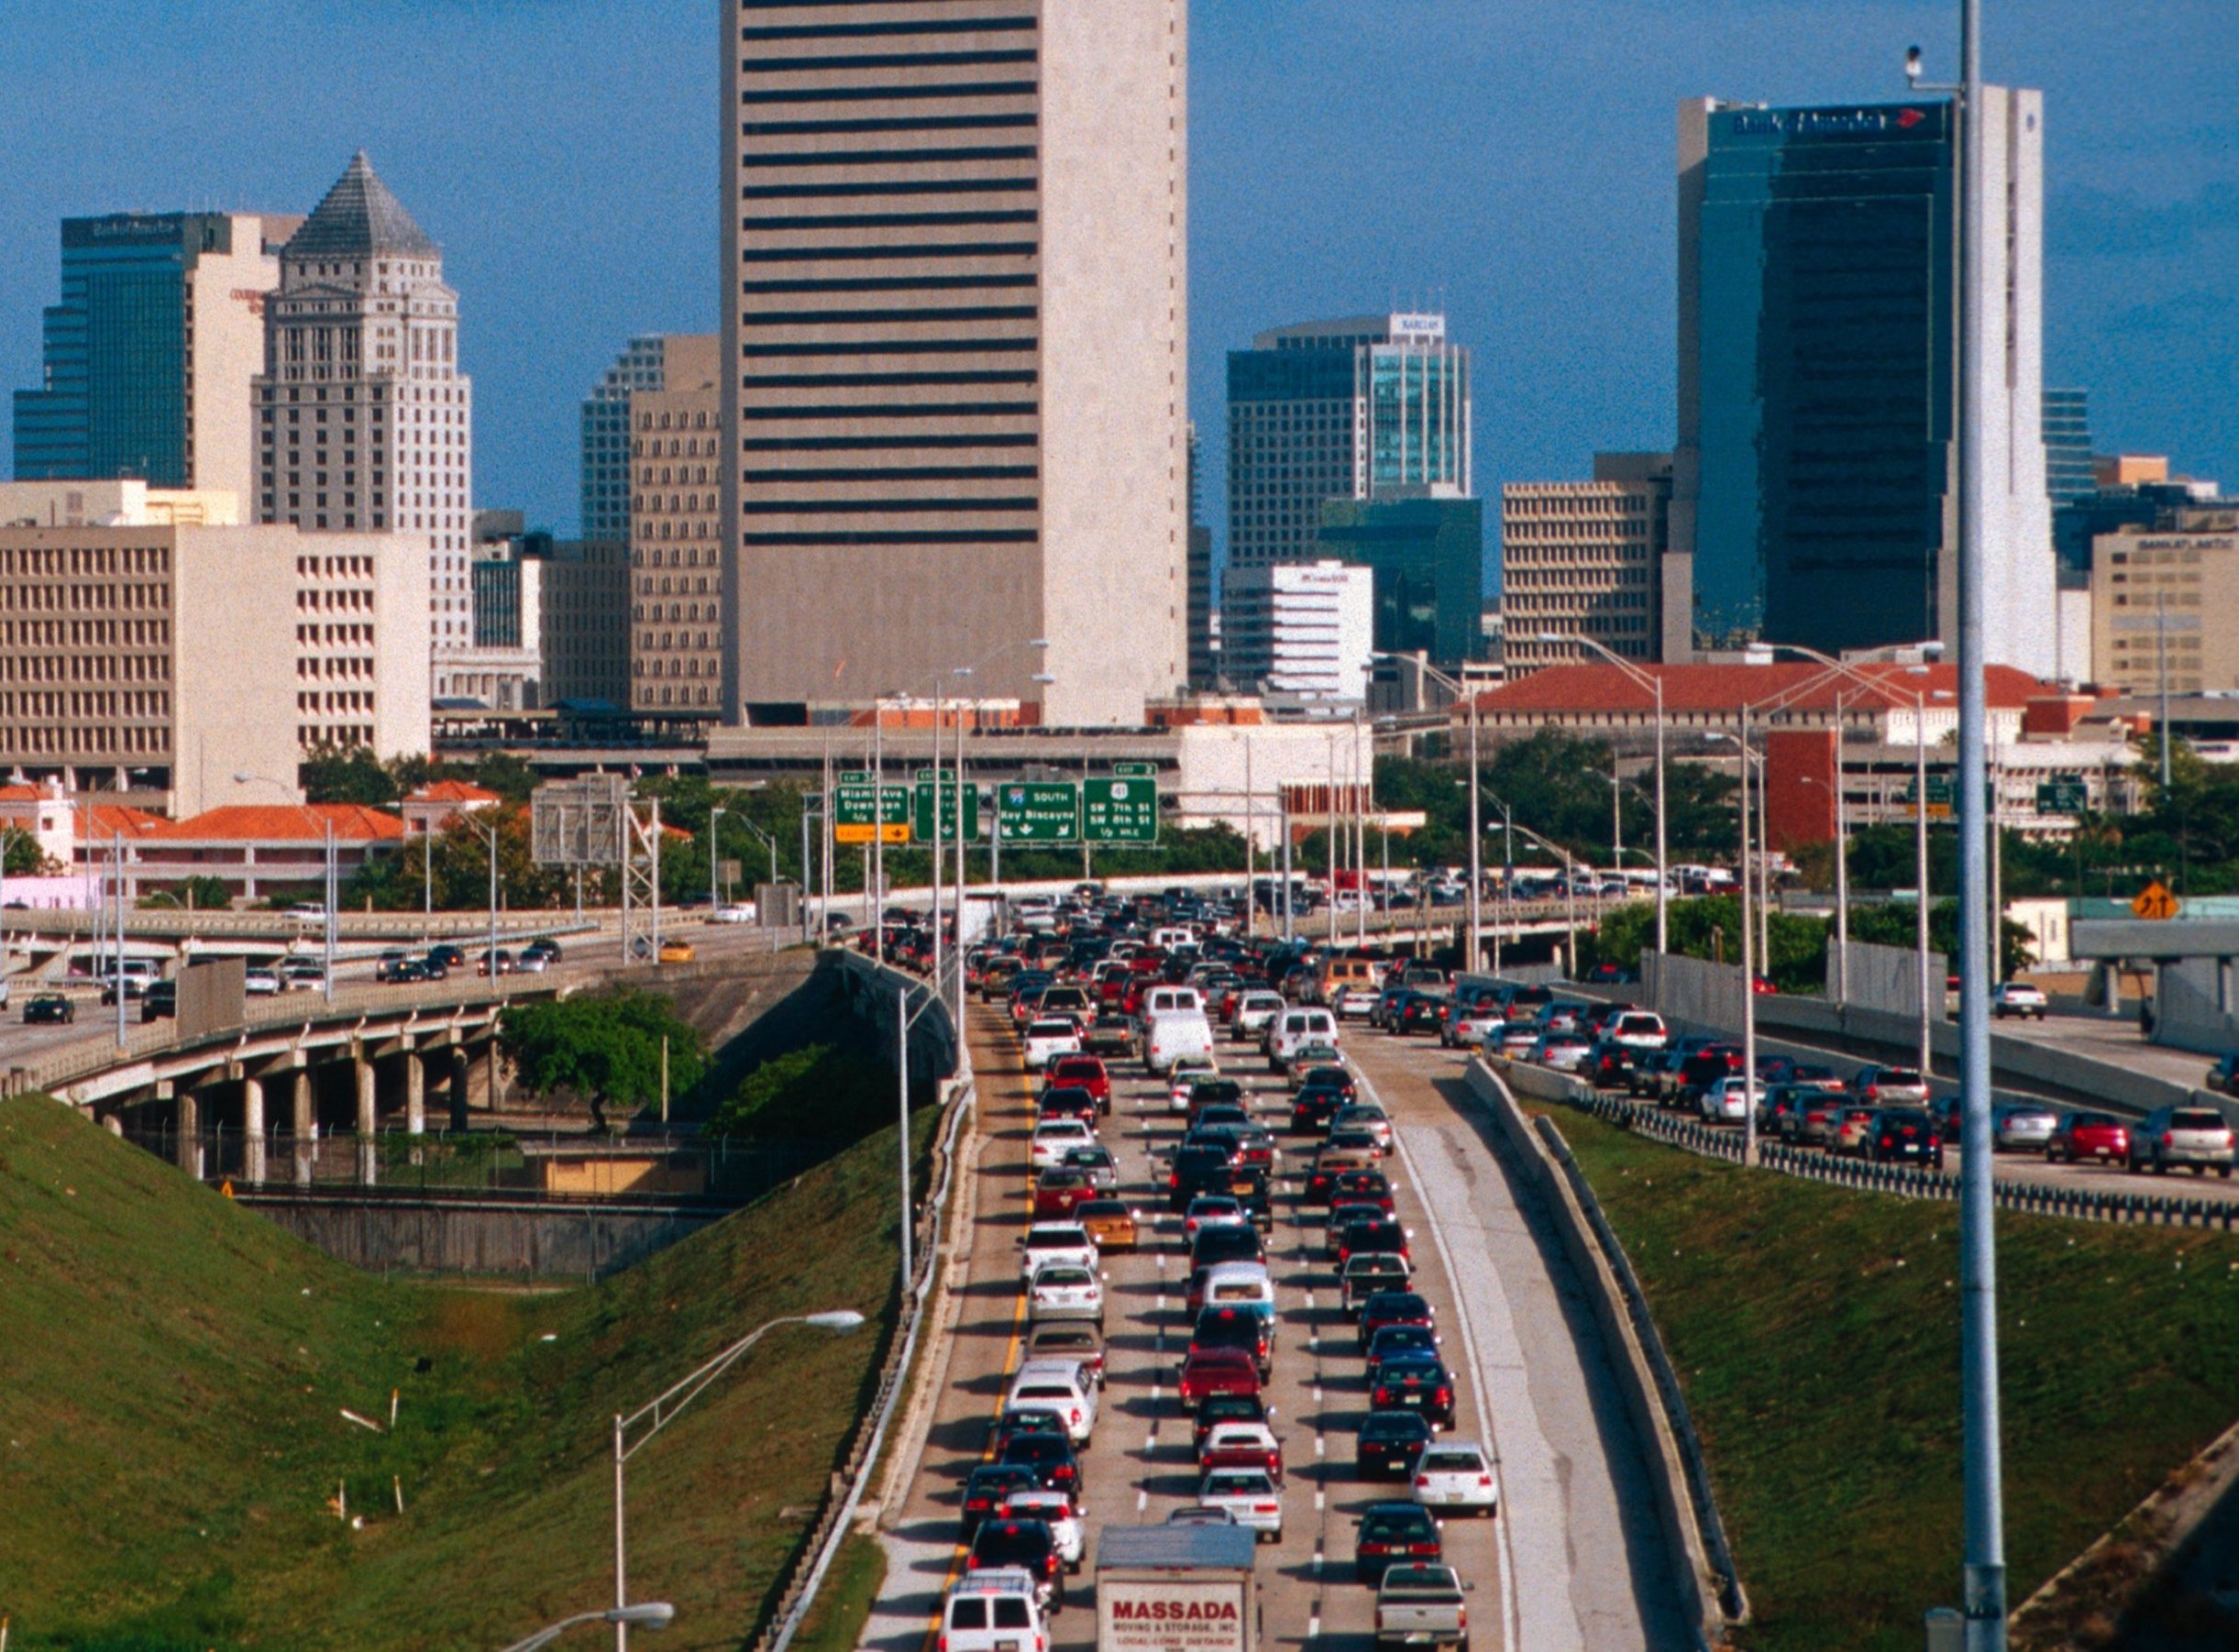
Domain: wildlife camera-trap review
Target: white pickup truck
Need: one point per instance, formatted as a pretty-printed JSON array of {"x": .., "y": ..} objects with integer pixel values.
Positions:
[{"x": 1421, "y": 1606}]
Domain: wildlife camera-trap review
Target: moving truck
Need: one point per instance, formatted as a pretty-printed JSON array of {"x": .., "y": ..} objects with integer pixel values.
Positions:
[{"x": 1176, "y": 1589}]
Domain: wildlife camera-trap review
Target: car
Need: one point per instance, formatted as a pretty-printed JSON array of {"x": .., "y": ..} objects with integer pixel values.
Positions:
[
  {"x": 1853, "y": 1120},
  {"x": 2018, "y": 997},
  {"x": 1054, "y": 1138},
  {"x": 1056, "y": 1510},
  {"x": 1191, "y": 1514},
  {"x": 2086, "y": 1135},
  {"x": 1211, "y": 1370},
  {"x": 1004, "y": 1544},
  {"x": 449, "y": 956},
  {"x": 2021, "y": 1127},
  {"x": 533, "y": 962},
  {"x": 1313, "y": 1106},
  {"x": 1084, "y": 1071},
  {"x": 994, "y": 1610},
  {"x": 1058, "y": 1386},
  {"x": 1185, "y": 1076},
  {"x": 1113, "y": 1223},
  {"x": 2195, "y": 1138},
  {"x": 1391, "y": 1309},
  {"x": 1387, "y": 1443},
  {"x": 1195, "y": 1168},
  {"x": 1378, "y": 1235},
  {"x": 1213, "y": 1210},
  {"x": 735, "y": 911},
  {"x": 1457, "y": 1474},
  {"x": 49, "y": 1009},
  {"x": 1061, "y": 1192},
  {"x": 1362, "y": 1276},
  {"x": 260, "y": 982},
  {"x": 1728, "y": 1100},
  {"x": 1241, "y": 1445},
  {"x": 1098, "y": 1164},
  {"x": 2223, "y": 1077},
  {"x": 1905, "y": 1135},
  {"x": 1068, "y": 1101},
  {"x": 1218, "y": 1408},
  {"x": 543, "y": 947},
  {"x": 1062, "y": 1291},
  {"x": 1249, "y": 1495},
  {"x": 1397, "y": 1342},
  {"x": 1050, "y": 1457},
  {"x": 1254, "y": 1011},
  {"x": 1247, "y": 1326},
  {"x": 1070, "y": 1340},
  {"x": 988, "y": 1487},
  {"x": 1890, "y": 1087},
  {"x": 1363, "y": 1116},
  {"x": 672, "y": 951},
  {"x": 1045, "y": 1041},
  {"x": 1210, "y": 1247},
  {"x": 1562, "y": 1052},
  {"x": 1420, "y": 1606},
  {"x": 1391, "y": 1533},
  {"x": 1415, "y": 1382},
  {"x": 1109, "y": 1035},
  {"x": 1046, "y": 1242}
]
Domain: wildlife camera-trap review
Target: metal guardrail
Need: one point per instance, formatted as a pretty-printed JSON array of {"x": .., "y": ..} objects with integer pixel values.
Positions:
[
  {"x": 74, "y": 922},
  {"x": 2029, "y": 1198}
]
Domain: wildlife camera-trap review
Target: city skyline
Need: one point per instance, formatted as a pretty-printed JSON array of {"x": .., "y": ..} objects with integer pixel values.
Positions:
[{"x": 1483, "y": 192}]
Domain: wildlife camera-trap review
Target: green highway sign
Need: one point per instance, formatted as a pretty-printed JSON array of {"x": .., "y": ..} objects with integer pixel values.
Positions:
[
  {"x": 2063, "y": 794},
  {"x": 854, "y": 776},
  {"x": 1123, "y": 809},
  {"x": 1038, "y": 811},
  {"x": 1136, "y": 770},
  {"x": 921, "y": 810},
  {"x": 856, "y": 810}
]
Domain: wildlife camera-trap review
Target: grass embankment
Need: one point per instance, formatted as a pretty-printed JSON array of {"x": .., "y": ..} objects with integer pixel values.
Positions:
[
  {"x": 1817, "y": 1334},
  {"x": 174, "y": 1371}
]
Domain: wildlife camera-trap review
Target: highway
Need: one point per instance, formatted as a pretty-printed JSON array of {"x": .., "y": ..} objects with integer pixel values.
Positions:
[{"x": 1563, "y": 1566}]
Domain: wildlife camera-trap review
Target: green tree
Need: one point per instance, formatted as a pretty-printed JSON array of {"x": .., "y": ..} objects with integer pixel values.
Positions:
[
  {"x": 198, "y": 894},
  {"x": 1710, "y": 927},
  {"x": 20, "y": 855},
  {"x": 605, "y": 1048},
  {"x": 815, "y": 1094},
  {"x": 355, "y": 776}
]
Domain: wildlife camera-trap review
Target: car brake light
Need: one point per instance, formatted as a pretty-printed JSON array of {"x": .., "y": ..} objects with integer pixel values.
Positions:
[
  {"x": 1444, "y": 1396},
  {"x": 1423, "y": 1480},
  {"x": 2165, "y": 1138},
  {"x": 1422, "y": 1549}
]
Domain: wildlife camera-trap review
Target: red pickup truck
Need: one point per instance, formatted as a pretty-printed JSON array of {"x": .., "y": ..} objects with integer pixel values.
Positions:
[{"x": 1211, "y": 1370}]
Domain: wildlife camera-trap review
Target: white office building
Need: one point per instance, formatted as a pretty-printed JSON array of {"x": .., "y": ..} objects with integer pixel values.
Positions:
[{"x": 1301, "y": 633}]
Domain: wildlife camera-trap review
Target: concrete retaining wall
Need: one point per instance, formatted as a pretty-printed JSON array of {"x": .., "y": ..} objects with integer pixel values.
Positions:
[
  {"x": 1703, "y": 1571},
  {"x": 1690, "y": 989},
  {"x": 874, "y": 996},
  {"x": 1886, "y": 977},
  {"x": 524, "y": 1241}
]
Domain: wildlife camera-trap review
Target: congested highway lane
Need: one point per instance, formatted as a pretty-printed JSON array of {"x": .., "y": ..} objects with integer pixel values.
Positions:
[{"x": 1141, "y": 1464}]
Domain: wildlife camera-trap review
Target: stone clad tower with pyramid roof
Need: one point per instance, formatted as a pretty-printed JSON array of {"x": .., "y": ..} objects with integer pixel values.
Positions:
[{"x": 364, "y": 421}]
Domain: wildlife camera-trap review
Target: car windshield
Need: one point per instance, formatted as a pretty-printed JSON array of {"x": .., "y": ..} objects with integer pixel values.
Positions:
[
  {"x": 1386, "y": 1528},
  {"x": 1394, "y": 1426},
  {"x": 1063, "y": 1276},
  {"x": 1448, "y": 1461},
  {"x": 1237, "y": 1482},
  {"x": 1049, "y": 1029},
  {"x": 2196, "y": 1120},
  {"x": 2079, "y": 1121}
]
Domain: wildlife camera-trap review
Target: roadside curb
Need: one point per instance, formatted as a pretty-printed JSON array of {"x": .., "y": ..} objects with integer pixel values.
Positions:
[{"x": 1701, "y": 1566}]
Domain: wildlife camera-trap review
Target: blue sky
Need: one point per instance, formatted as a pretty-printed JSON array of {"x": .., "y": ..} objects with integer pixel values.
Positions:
[{"x": 1508, "y": 159}]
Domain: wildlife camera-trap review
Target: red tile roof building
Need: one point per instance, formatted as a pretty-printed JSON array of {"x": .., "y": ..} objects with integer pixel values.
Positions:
[{"x": 262, "y": 849}]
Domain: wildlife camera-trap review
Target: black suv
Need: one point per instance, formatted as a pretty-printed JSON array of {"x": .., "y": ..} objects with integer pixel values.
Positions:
[
  {"x": 1196, "y": 1170},
  {"x": 1389, "y": 1444},
  {"x": 1416, "y": 1383},
  {"x": 1905, "y": 1135},
  {"x": 1394, "y": 1534}
]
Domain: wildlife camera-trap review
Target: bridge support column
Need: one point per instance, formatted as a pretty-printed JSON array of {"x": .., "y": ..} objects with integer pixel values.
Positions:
[
  {"x": 188, "y": 1112},
  {"x": 368, "y": 1122},
  {"x": 306, "y": 1127},
  {"x": 252, "y": 1131},
  {"x": 458, "y": 1089},
  {"x": 415, "y": 1094},
  {"x": 114, "y": 1123}
]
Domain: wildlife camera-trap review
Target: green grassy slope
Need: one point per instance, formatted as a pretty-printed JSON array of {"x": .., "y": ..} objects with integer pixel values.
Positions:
[
  {"x": 173, "y": 1374},
  {"x": 1816, "y": 1333}
]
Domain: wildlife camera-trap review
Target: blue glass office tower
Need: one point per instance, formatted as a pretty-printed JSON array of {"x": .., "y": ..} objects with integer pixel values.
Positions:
[
  {"x": 1814, "y": 497},
  {"x": 148, "y": 354}
]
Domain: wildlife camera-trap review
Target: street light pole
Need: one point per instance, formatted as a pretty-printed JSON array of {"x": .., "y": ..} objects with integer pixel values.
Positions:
[
  {"x": 715, "y": 813},
  {"x": 1654, "y": 682}
]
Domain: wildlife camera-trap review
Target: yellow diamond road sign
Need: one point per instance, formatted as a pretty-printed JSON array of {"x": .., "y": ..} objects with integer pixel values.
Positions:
[{"x": 2156, "y": 902}]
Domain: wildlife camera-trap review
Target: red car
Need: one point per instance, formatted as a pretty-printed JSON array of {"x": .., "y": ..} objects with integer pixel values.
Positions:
[
  {"x": 1211, "y": 1370},
  {"x": 1086, "y": 1073},
  {"x": 1058, "y": 1193},
  {"x": 2100, "y": 1136}
]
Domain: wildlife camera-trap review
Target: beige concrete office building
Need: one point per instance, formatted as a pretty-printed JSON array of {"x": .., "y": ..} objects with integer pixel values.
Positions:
[
  {"x": 2166, "y": 599},
  {"x": 955, "y": 345},
  {"x": 676, "y": 534},
  {"x": 364, "y": 420},
  {"x": 156, "y": 662},
  {"x": 1584, "y": 560}
]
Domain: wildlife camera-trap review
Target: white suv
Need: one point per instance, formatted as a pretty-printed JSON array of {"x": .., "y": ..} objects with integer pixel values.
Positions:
[
  {"x": 1296, "y": 1027},
  {"x": 995, "y": 1611}
]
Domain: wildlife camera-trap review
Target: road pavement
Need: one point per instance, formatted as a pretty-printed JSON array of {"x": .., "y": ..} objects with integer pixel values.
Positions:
[{"x": 1568, "y": 1567}]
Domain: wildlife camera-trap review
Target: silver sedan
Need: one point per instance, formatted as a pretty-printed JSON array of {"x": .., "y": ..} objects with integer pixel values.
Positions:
[{"x": 2018, "y": 1127}]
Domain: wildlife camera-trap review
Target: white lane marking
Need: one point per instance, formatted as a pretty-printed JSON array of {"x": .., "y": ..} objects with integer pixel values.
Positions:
[
  {"x": 1154, "y": 1393},
  {"x": 1143, "y": 1501},
  {"x": 1318, "y": 1560},
  {"x": 1319, "y": 1504},
  {"x": 1513, "y": 1625},
  {"x": 1319, "y": 1445},
  {"x": 1314, "y": 1628},
  {"x": 1317, "y": 1394},
  {"x": 1150, "y": 1442}
]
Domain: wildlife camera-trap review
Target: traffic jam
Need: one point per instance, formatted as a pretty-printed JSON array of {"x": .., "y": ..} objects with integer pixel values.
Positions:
[{"x": 1231, "y": 1311}]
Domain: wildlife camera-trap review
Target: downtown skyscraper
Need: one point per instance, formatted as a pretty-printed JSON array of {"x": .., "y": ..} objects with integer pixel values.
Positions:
[
  {"x": 1814, "y": 498},
  {"x": 954, "y": 340}
]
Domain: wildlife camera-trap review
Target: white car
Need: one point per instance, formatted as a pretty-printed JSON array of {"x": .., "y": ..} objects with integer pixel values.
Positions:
[
  {"x": 1060, "y": 1387},
  {"x": 1055, "y": 1509},
  {"x": 1250, "y": 1497},
  {"x": 732, "y": 912},
  {"x": 1358, "y": 998},
  {"x": 2018, "y": 997},
  {"x": 259, "y": 983},
  {"x": 1254, "y": 1011},
  {"x": 1062, "y": 1290},
  {"x": 1213, "y": 1210},
  {"x": 1046, "y": 1242},
  {"x": 1456, "y": 1475},
  {"x": 1730, "y": 1100},
  {"x": 998, "y": 1610},
  {"x": 1638, "y": 1030},
  {"x": 1046, "y": 1040},
  {"x": 1563, "y": 1051},
  {"x": 1251, "y": 1440},
  {"x": 1293, "y": 1027},
  {"x": 1054, "y": 1138},
  {"x": 1364, "y": 1116},
  {"x": 1468, "y": 1027}
]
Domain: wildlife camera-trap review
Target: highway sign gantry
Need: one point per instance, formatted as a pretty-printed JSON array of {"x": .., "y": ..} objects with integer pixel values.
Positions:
[
  {"x": 1121, "y": 810},
  {"x": 1038, "y": 811}
]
